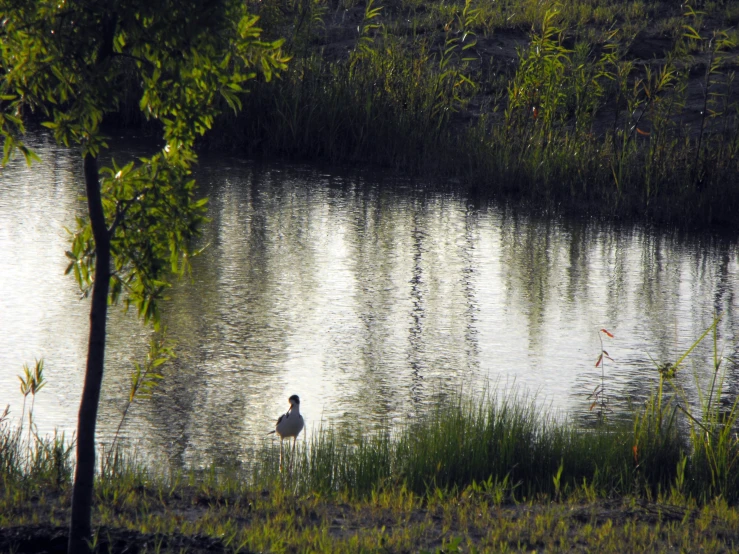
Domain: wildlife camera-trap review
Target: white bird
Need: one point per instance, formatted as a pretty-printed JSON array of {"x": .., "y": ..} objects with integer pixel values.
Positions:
[{"x": 289, "y": 424}]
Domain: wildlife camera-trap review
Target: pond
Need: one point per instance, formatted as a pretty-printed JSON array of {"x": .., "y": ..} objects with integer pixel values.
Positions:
[{"x": 369, "y": 295}]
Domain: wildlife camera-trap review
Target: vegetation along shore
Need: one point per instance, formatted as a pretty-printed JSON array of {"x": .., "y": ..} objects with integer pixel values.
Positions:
[
  {"x": 491, "y": 474},
  {"x": 623, "y": 109}
]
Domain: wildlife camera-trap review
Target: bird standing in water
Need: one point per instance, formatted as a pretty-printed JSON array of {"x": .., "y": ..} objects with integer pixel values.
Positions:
[{"x": 289, "y": 424}]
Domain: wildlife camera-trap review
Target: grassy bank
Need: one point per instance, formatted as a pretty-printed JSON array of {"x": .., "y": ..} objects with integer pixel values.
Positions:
[
  {"x": 216, "y": 516},
  {"x": 625, "y": 109},
  {"x": 482, "y": 475}
]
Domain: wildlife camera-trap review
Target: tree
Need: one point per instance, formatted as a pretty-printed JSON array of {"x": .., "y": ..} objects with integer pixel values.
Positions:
[{"x": 67, "y": 64}]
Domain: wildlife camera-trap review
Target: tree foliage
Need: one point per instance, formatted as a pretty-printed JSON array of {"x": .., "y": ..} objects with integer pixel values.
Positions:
[
  {"x": 66, "y": 65},
  {"x": 69, "y": 64}
]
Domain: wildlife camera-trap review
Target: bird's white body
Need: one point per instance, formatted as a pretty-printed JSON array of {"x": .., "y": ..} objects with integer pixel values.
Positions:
[{"x": 290, "y": 424}]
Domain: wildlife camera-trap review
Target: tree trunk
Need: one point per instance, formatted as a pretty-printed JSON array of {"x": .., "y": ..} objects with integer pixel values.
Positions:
[{"x": 80, "y": 526}]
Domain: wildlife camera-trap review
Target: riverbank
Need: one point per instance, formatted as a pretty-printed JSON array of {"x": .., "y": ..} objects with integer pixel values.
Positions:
[
  {"x": 484, "y": 475},
  {"x": 200, "y": 522},
  {"x": 627, "y": 111}
]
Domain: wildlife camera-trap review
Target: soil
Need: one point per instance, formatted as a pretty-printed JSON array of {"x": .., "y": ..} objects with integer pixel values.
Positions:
[
  {"x": 343, "y": 522},
  {"x": 49, "y": 539}
]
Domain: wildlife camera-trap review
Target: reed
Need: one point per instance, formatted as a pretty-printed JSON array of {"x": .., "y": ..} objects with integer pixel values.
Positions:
[
  {"x": 574, "y": 122},
  {"x": 35, "y": 463},
  {"x": 487, "y": 472},
  {"x": 460, "y": 442},
  {"x": 667, "y": 445},
  {"x": 671, "y": 443},
  {"x": 511, "y": 442}
]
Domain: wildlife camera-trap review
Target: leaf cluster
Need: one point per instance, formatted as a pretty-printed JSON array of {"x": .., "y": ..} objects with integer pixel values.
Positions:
[{"x": 63, "y": 63}]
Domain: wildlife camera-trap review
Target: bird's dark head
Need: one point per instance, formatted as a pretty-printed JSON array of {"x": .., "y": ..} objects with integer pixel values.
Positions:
[{"x": 294, "y": 400}]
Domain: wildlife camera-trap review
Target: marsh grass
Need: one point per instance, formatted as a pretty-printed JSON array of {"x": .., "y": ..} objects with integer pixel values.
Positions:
[
  {"x": 484, "y": 476},
  {"x": 29, "y": 466},
  {"x": 491, "y": 472},
  {"x": 510, "y": 446},
  {"x": 575, "y": 121},
  {"x": 508, "y": 442}
]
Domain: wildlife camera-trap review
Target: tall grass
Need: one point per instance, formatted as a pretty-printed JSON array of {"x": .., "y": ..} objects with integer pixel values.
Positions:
[
  {"x": 456, "y": 444},
  {"x": 523, "y": 451},
  {"x": 382, "y": 106},
  {"x": 31, "y": 460},
  {"x": 575, "y": 121},
  {"x": 508, "y": 445},
  {"x": 511, "y": 443}
]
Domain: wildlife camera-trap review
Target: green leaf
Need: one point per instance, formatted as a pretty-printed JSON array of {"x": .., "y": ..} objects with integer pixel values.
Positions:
[
  {"x": 7, "y": 149},
  {"x": 691, "y": 33}
]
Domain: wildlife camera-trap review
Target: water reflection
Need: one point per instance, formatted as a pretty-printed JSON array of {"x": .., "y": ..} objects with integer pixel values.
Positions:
[{"x": 370, "y": 299}]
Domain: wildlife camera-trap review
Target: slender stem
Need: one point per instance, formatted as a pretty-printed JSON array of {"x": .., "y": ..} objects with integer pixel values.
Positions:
[
  {"x": 687, "y": 413},
  {"x": 706, "y": 86},
  {"x": 715, "y": 368},
  {"x": 115, "y": 437}
]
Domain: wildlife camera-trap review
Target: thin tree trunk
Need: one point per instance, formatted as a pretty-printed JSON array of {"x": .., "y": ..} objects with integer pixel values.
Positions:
[{"x": 80, "y": 527}]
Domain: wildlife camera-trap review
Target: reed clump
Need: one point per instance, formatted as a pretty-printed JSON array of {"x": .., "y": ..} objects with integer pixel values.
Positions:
[
  {"x": 509, "y": 443},
  {"x": 490, "y": 473},
  {"x": 671, "y": 445},
  {"x": 577, "y": 111},
  {"x": 487, "y": 473}
]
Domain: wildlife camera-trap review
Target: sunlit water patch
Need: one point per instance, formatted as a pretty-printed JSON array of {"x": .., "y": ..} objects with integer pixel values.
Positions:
[{"x": 368, "y": 295}]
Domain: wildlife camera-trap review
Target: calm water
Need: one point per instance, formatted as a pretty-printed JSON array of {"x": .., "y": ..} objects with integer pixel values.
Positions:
[{"x": 365, "y": 295}]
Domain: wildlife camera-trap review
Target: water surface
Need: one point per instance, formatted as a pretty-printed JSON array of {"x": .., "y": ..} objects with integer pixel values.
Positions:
[{"x": 368, "y": 295}]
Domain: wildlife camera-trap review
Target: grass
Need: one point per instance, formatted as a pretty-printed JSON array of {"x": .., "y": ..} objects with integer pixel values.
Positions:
[
  {"x": 220, "y": 516},
  {"x": 471, "y": 475},
  {"x": 416, "y": 491},
  {"x": 565, "y": 103}
]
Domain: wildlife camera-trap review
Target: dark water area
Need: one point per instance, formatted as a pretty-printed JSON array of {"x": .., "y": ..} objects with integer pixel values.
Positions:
[{"x": 371, "y": 296}]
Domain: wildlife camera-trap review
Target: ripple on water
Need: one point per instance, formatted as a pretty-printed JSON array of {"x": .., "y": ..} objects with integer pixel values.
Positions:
[{"x": 369, "y": 298}]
